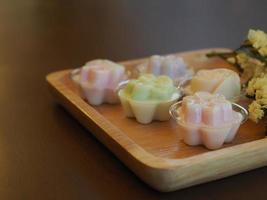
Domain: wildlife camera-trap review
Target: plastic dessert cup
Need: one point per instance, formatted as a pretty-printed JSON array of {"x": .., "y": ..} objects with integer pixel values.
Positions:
[
  {"x": 148, "y": 98},
  {"x": 97, "y": 81},
  {"x": 216, "y": 81},
  {"x": 208, "y": 119},
  {"x": 171, "y": 66}
]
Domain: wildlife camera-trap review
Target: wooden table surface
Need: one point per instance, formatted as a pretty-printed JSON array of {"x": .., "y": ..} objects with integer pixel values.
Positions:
[{"x": 44, "y": 152}]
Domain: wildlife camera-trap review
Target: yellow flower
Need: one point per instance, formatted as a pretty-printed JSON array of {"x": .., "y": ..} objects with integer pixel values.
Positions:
[
  {"x": 255, "y": 111},
  {"x": 231, "y": 60},
  {"x": 250, "y": 88},
  {"x": 260, "y": 83},
  {"x": 263, "y": 51},
  {"x": 263, "y": 102},
  {"x": 258, "y": 70},
  {"x": 261, "y": 93},
  {"x": 257, "y": 86},
  {"x": 258, "y": 38},
  {"x": 250, "y": 65},
  {"x": 242, "y": 59}
]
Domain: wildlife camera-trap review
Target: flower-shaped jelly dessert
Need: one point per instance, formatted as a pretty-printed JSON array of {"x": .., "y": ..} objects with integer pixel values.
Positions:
[
  {"x": 208, "y": 119},
  {"x": 98, "y": 81},
  {"x": 170, "y": 65},
  {"x": 216, "y": 81},
  {"x": 148, "y": 98}
]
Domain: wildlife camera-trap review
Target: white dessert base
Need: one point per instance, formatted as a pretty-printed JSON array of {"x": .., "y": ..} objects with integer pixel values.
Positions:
[
  {"x": 210, "y": 137},
  {"x": 147, "y": 111}
]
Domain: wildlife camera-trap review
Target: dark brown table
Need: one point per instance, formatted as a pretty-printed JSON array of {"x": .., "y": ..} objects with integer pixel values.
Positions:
[{"x": 44, "y": 152}]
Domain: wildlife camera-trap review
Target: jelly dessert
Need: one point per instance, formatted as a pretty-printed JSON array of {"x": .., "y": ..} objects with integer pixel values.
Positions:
[
  {"x": 75, "y": 76},
  {"x": 98, "y": 80},
  {"x": 217, "y": 81},
  {"x": 148, "y": 98},
  {"x": 170, "y": 65},
  {"x": 208, "y": 119}
]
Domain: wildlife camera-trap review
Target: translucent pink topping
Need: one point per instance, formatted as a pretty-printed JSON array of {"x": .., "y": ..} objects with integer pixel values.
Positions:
[
  {"x": 203, "y": 107},
  {"x": 170, "y": 65},
  {"x": 98, "y": 81},
  {"x": 102, "y": 74}
]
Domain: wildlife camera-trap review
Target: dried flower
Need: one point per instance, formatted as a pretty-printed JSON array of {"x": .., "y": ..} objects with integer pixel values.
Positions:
[
  {"x": 231, "y": 60},
  {"x": 251, "y": 59},
  {"x": 258, "y": 40},
  {"x": 255, "y": 111}
]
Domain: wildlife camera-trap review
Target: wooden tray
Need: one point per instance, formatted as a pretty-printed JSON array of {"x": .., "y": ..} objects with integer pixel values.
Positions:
[{"x": 154, "y": 152}]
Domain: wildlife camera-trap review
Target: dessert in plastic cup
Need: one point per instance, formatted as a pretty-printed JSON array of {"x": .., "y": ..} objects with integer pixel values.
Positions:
[
  {"x": 148, "y": 98},
  {"x": 98, "y": 80},
  {"x": 171, "y": 65},
  {"x": 208, "y": 119},
  {"x": 216, "y": 81}
]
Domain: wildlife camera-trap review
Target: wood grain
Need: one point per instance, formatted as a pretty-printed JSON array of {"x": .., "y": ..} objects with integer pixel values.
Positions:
[{"x": 155, "y": 152}]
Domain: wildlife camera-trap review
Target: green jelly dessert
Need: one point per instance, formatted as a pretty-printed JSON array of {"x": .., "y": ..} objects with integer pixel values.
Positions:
[
  {"x": 149, "y": 97},
  {"x": 149, "y": 87}
]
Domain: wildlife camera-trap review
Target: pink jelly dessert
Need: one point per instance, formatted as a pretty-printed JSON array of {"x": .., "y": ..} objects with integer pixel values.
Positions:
[
  {"x": 98, "y": 80},
  {"x": 207, "y": 119}
]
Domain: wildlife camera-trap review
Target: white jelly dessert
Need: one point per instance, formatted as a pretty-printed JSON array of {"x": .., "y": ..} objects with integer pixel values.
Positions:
[
  {"x": 148, "y": 98},
  {"x": 98, "y": 80},
  {"x": 216, "y": 81},
  {"x": 170, "y": 65},
  {"x": 207, "y": 119}
]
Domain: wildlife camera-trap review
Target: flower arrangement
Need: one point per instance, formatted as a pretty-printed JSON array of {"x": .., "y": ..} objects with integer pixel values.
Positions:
[{"x": 251, "y": 61}]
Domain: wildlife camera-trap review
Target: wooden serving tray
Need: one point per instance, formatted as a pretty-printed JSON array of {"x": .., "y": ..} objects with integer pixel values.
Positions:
[{"x": 155, "y": 152}]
